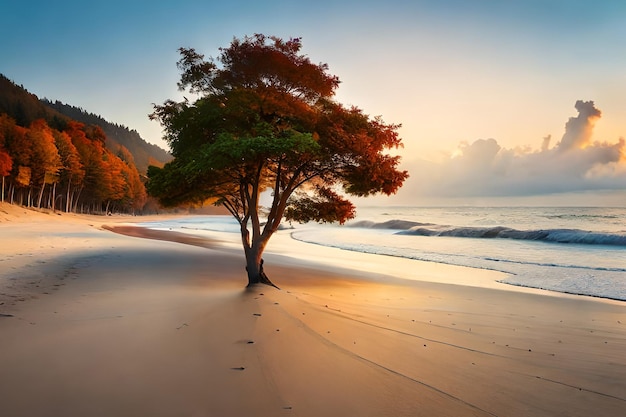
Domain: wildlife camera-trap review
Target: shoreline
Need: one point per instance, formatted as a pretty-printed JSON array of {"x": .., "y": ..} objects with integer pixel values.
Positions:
[
  {"x": 434, "y": 271},
  {"x": 142, "y": 326}
]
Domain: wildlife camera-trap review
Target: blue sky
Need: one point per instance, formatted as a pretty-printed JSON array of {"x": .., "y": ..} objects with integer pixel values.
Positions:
[{"x": 454, "y": 73}]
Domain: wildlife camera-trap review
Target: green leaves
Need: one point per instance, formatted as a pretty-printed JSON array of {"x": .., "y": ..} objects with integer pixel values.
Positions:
[
  {"x": 229, "y": 151},
  {"x": 172, "y": 186}
]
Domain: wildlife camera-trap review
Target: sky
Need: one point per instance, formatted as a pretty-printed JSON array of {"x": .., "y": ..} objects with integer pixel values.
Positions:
[{"x": 501, "y": 102}]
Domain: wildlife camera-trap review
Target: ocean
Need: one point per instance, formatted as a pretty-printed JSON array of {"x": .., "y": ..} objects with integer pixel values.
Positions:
[{"x": 574, "y": 250}]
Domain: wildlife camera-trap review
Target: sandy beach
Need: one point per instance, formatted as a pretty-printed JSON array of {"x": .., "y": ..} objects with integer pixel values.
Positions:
[{"x": 101, "y": 318}]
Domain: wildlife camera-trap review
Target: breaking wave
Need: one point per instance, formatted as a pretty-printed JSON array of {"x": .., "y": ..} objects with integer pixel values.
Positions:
[{"x": 564, "y": 236}]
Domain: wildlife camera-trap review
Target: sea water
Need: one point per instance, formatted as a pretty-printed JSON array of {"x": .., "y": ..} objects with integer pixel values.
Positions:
[{"x": 576, "y": 250}]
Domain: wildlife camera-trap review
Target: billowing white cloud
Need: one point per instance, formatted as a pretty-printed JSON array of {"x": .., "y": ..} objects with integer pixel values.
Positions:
[
  {"x": 578, "y": 130},
  {"x": 483, "y": 168}
]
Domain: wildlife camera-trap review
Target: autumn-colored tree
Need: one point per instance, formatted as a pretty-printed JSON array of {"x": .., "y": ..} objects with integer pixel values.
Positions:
[
  {"x": 117, "y": 187},
  {"x": 136, "y": 196},
  {"x": 45, "y": 160},
  {"x": 135, "y": 192},
  {"x": 265, "y": 120},
  {"x": 72, "y": 172},
  {"x": 14, "y": 140},
  {"x": 106, "y": 170},
  {"x": 3, "y": 119},
  {"x": 110, "y": 181},
  {"x": 94, "y": 184},
  {"x": 6, "y": 165},
  {"x": 18, "y": 147},
  {"x": 6, "y": 162}
]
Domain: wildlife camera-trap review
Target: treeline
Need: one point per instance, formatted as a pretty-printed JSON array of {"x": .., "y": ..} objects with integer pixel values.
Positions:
[
  {"x": 53, "y": 155},
  {"x": 66, "y": 168}
]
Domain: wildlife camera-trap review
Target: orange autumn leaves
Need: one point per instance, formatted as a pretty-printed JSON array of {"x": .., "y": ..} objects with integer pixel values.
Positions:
[{"x": 67, "y": 169}]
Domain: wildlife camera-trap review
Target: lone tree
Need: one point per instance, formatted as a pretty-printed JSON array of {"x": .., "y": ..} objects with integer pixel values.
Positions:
[{"x": 264, "y": 121}]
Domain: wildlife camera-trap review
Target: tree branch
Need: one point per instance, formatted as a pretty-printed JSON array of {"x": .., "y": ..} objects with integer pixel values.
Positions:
[
  {"x": 276, "y": 198},
  {"x": 254, "y": 203}
]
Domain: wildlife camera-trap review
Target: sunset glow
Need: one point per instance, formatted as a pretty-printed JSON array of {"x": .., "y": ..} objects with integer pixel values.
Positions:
[{"x": 455, "y": 74}]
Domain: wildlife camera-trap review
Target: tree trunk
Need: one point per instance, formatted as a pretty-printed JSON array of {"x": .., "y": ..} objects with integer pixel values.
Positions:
[
  {"x": 67, "y": 197},
  {"x": 254, "y": 266},
  {"x": 76, "y": 199},
  {"x": 54, "y": 196},
  {"x": 43, "y": 186}
]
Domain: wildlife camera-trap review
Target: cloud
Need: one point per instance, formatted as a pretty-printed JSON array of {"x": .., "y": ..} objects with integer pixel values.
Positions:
[
  {"x": 483, "y": 168},
  {"x": 578, "y": 130}
]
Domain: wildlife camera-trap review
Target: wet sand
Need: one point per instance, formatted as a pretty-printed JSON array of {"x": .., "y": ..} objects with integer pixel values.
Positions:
[{"x": 149, "y": 323}]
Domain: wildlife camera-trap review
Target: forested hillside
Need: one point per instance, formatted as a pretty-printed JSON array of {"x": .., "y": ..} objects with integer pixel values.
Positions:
[
  {"x": 24, "y": 107},
  {"x": 49, "y": 160},
  {"x": 145, "y": 153}
]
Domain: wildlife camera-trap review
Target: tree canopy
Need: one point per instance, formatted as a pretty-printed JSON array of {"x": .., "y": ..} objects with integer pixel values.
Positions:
[
  {"x": 70, "y": 170},
  {"x": 264, "y": 120}
]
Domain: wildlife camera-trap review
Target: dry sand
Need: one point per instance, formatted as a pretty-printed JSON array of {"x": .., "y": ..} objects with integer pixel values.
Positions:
[{"x": 95, "y": 323}]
